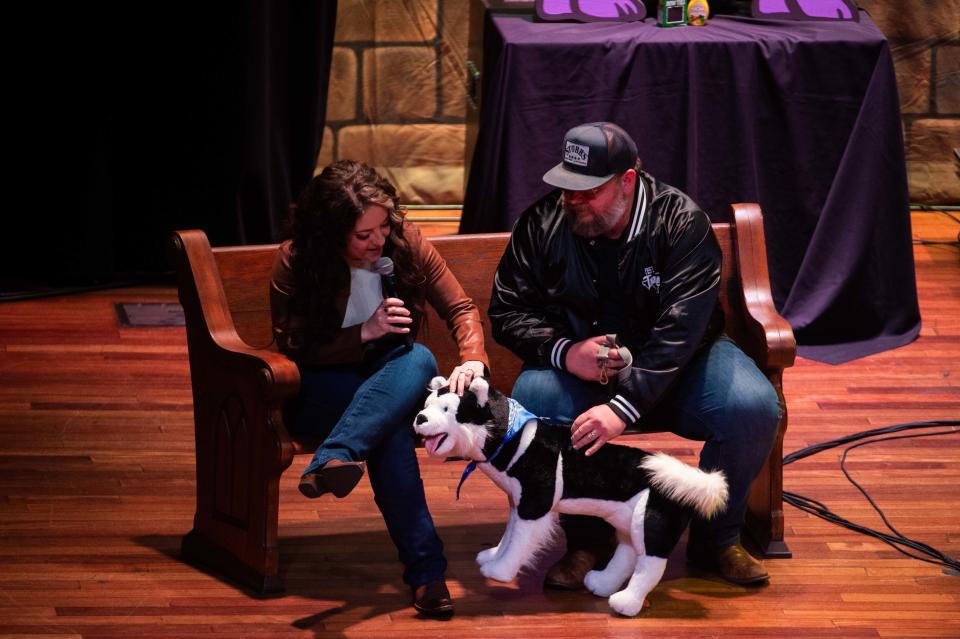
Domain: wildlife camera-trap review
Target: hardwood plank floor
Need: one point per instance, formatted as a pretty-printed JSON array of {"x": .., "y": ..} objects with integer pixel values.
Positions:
[{"x": 96, "y": 488}]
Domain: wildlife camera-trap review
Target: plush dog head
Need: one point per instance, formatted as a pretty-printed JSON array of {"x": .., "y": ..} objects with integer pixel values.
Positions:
[{"x": 455, "y": 426}]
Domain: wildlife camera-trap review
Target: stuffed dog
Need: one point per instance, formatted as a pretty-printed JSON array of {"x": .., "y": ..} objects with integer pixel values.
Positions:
[{"x": 648, "y": 498}]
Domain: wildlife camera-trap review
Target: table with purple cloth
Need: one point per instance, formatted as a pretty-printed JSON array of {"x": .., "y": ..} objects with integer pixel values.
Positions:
[{"x": 802, "y": 117}]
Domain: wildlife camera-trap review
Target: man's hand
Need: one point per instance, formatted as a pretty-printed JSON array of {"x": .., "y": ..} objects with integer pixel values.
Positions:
[
  {"x": 596, "y": 426},
  {"x": 582, "y": 359}
]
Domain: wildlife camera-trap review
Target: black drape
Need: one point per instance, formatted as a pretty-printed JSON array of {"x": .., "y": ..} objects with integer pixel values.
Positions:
[{"x": 142, "y": 118}]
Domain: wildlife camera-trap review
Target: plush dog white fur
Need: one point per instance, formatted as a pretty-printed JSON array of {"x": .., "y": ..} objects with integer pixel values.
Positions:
[{"x": 648, "y": 498}]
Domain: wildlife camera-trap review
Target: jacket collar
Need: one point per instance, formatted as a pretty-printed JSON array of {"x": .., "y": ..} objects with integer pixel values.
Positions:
[{"x": 640, "y": 207}]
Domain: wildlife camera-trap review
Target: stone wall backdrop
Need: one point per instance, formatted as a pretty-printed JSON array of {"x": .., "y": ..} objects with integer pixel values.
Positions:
[
  {"x": 924, "y": 36},
  {"x": 396, "y": 98},
  {"x": 397, "y": 101}
]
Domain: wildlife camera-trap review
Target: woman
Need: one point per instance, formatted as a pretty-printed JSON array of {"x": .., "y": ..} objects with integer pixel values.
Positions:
[{"x": 361, "y": 374}]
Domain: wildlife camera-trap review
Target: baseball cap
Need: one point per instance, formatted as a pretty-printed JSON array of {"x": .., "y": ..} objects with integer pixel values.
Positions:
[{"x": 592, "y": 154}]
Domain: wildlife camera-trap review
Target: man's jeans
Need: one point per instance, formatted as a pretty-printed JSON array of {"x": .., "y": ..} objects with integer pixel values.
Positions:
[
  {"x": 365, "y": 413},
  {"x": 720, "y": 398}
]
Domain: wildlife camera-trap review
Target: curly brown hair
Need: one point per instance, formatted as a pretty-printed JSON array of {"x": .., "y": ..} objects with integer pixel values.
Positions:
[{"x": 321, "y": 221}]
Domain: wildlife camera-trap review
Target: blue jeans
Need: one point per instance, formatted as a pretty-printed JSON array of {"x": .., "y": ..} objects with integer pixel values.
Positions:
[
  {"x": 720, "y": 398},
  {"x": 365, "y": 413}
]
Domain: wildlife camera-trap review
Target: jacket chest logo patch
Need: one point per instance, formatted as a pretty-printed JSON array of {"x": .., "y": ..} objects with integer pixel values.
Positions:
[{"x": 651, "y": 279}]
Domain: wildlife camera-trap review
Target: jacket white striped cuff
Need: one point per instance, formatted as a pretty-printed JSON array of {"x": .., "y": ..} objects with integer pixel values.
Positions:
[
  {"x": 624, "y": 409},
  {"x": 558, "y": 353}
]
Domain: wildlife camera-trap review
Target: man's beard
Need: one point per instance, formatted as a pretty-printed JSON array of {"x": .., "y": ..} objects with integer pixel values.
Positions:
[{"x": 596, "y": 224}]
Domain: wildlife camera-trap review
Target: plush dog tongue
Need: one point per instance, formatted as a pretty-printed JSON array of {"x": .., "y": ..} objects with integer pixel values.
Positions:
[{"x": 433, "y": 443}]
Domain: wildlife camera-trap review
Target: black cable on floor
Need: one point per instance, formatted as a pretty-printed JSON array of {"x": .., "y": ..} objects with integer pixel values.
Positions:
[{"x": 897, "y": 540}]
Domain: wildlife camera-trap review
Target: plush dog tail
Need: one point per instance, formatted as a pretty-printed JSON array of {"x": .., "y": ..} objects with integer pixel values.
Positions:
[{"x": 704, "y": 492}]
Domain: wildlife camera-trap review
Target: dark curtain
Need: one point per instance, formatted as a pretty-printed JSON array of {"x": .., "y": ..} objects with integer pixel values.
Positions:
[{"x": 142, "y": 118}]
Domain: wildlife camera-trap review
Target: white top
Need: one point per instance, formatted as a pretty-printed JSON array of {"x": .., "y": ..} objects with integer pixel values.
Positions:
[{"x": 365, "y": 296}]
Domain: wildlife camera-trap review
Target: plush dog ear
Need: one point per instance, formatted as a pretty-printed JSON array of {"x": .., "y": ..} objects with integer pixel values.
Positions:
[
  {"x": 437, "y": 382},
  {"x": 481, "y": 388}
]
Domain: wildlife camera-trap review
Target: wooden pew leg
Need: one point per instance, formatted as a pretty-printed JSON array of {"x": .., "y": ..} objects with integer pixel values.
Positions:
[
  {"x": 200, "y": 551},
  {"x": 765, "y": 521}
]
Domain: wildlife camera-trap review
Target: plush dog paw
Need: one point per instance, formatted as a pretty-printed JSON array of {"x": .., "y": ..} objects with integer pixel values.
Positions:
[
  {"x": 625, "y": 603},
  {"x": 600, "y": 584},
  {"x": 497, "y": 571},
  {"x": 487, "y": 555}
]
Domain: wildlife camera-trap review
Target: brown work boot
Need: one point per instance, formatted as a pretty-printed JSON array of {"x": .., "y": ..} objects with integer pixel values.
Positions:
[
  {"x": 733, "y": 563},
  {"x": 433, "y": 600},
  {"x": 568, "y": 573}
]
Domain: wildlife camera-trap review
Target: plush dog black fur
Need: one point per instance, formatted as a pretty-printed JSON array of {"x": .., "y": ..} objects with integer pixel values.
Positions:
[{"x": 648, "y": 498}]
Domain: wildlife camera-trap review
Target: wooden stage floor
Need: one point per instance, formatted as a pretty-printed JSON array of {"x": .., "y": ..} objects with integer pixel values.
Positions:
[{"x": 96, "y": 488}]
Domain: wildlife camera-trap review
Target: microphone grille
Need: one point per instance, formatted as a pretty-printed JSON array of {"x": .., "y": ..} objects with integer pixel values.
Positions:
[{"x": 383, "y": 266}]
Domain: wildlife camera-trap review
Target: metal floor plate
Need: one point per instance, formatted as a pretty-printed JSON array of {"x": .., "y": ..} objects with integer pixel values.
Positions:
[{"x": 149, "y": 314}]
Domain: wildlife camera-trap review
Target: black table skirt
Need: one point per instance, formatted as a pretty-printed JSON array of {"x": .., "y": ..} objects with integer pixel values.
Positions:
[{"x": 800, "y": 117}]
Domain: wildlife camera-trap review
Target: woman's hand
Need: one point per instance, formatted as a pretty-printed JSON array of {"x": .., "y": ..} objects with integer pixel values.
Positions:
[
  {"x": 390, "y": 317},
  {"x": 595, "y": 427},
  {"x": 463, "y": 374}
]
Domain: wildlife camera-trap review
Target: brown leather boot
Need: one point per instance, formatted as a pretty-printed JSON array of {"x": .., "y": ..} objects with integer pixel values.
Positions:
[
  {"x": 568, "y": 573},
  {"x": 433, "y": 600},
  {"x": 337, "y": 477},
  {"x": 733, "y": 563}
]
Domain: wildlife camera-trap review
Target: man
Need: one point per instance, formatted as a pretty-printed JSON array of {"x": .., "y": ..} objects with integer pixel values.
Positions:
[{"x": 614, "y": 251}]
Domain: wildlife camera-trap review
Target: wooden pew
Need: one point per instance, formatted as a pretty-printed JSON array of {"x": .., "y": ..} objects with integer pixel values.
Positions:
[{"x": 240, "y": 383}]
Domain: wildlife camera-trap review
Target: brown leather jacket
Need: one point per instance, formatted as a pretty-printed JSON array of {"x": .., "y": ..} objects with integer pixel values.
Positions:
[{"x": 441, "y": 289}]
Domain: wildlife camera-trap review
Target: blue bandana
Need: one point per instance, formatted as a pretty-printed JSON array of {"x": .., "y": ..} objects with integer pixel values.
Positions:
[{"x": 518, "y": 417}]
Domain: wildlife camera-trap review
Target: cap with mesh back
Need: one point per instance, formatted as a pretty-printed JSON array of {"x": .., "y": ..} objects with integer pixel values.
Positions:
[{"x": 592, "y": 154}]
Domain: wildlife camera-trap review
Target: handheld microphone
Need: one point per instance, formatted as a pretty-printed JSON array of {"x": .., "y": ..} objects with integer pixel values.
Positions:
[{"x": 384, "y": 266}]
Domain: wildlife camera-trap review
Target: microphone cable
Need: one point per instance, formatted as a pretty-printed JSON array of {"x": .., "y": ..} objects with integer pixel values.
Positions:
[{"x": 898, "y": 541}]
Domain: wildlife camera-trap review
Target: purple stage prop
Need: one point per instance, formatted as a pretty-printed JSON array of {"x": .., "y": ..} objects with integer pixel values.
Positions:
[
  {"x": 591, "y": 10},
  {"x": 633, "y": 10},
  {"x": 802, "y": 117},
  {"x": 806, "y": 9}
]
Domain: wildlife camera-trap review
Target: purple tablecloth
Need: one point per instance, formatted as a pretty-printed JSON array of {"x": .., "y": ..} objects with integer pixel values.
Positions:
[{"x": 800, "y": 117}]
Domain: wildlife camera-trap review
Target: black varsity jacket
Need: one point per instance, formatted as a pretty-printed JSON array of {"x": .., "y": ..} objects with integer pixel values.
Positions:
[{"x": 545, "y": 295}]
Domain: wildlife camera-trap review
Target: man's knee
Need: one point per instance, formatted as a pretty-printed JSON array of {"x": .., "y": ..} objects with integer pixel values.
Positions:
[
  {"x": 759, "y": 411},
  {"x": 556, "y": 394},
  {"x": 543, "y": 392},
  {"x": 535, "y": 383},
  {"x": 748, "y": 413}
]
